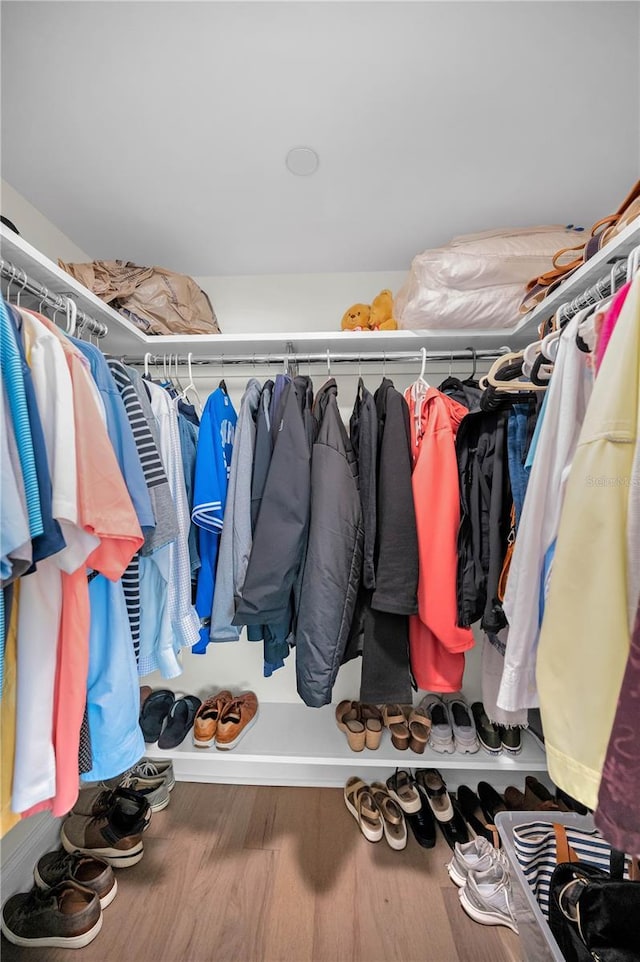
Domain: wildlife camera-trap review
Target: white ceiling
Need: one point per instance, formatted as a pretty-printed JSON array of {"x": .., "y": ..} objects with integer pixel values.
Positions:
[{"x": 158, "y": 131}]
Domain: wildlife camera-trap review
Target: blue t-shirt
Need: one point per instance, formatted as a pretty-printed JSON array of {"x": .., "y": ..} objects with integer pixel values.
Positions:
[
  {"x": 49, "y": 539},
  {"x": 213, "y": 463}
]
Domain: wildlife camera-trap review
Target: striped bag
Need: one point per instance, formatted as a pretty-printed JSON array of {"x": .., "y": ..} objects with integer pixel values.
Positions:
[{"x": 535, "y": 845}]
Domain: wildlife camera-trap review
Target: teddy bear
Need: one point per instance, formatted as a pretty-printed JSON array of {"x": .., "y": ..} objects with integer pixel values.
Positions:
[
  {"x": 357, "y": 318},
  {"x": 377, "y": 317},
  {"x": 381, "y": 317}
]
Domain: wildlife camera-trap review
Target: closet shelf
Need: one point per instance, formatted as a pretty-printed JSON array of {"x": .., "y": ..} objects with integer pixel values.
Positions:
[
  {"x": 294, "y": 745},
  {"x": 125, "y": 339}
]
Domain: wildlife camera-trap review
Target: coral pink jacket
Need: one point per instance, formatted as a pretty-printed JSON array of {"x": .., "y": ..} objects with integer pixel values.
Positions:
[{"x": 436, "y": 642}]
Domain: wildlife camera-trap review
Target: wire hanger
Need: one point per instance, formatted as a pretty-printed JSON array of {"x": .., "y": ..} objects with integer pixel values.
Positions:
[{"x": 328, "y": 363}]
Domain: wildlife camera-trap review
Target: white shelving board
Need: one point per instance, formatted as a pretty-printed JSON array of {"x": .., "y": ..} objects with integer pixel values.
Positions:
[
  {"x": 125, "y": 339},
  {"x": 291, "y": 744}
]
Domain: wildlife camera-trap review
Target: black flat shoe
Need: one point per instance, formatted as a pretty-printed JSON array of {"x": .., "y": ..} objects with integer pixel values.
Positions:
[
  {"x": 471, "y": 810},
  {"x": 180, "y": 721},
  {"x": 153, "y": 713},
  {"x": 455, "y": 830},
  {"x": 423, "y": 824},
  {"x": 491, "y": 801}
]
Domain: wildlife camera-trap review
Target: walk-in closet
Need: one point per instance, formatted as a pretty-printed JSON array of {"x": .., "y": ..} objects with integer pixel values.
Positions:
[{"x": 320, "y": 460}]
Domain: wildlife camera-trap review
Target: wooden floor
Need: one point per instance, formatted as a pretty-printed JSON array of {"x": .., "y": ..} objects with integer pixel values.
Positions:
[{"x": 248, "y": 874}]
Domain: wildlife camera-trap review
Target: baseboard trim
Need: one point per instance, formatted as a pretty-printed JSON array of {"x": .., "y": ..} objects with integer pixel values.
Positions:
[{"x": 21, "y": 848}]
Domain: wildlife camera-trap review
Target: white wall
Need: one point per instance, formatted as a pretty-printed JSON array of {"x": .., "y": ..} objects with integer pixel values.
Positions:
[
  {"x": 36, "y": 228},
  {"x": 292, "y": 302}
]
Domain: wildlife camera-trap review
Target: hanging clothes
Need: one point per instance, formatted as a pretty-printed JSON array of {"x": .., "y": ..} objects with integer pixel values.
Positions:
[
  {"x": 437, "y": 644},
  {"x": 168, "y": 620},
  {"x": 585, "y": 637},
  {"x": 363, "y": 432},
  {"x": 485, "y": 513},
  {"x": 213, "y": 465},
  {"x": 385, "y": 653},
  {"x": 334, "y": 555},
  {"x": 282, "y": 516},
  {"x": 235, "y": 540},
  {"x": 617, "y": 812},
  {"x": 567, "y": 399}
]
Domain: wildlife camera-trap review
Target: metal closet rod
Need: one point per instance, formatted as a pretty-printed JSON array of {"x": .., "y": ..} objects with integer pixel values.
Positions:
[
  {"x": 302, "y": 357},
  {"x": 15, "y": 275}
]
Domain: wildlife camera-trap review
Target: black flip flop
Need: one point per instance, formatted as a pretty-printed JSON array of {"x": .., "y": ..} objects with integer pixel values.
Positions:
[
  {"x": 179, "y": 722},
  {"x": 153, "y": 713}
]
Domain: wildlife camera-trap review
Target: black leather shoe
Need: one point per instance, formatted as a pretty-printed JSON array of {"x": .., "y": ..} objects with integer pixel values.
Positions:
[
  {"x": 455, "y": 830},
  {"x": 422, "y": 823},
  {"x": 471, "y": 810},
  {"x": 491, "y": 801}
]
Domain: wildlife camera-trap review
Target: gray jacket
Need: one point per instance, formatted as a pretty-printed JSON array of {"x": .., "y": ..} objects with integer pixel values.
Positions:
[
  {"x": 334, "y": 555},
  {"x": 235, "y": 541},
  {"x": 281, "y": 524}
]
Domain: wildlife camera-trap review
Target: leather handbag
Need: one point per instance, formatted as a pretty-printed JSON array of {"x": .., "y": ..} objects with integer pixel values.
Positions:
[
  {"x": 594, "y": 915},
  {"x": 569, "y": 259}
]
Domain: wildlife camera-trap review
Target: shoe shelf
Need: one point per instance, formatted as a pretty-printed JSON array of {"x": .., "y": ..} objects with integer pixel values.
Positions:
[{"x": 294, "y": 745}]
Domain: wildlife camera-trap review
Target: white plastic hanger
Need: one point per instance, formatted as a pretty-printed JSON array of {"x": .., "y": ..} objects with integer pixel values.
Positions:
[
  {"x": 191, "y": 386},
  {"x": 72, "y": 315}
]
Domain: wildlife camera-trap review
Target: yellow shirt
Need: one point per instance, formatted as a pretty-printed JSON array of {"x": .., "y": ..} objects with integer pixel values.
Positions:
[
  {"x": 8, "y": 718},
  {"x": 585, "y": 638}
]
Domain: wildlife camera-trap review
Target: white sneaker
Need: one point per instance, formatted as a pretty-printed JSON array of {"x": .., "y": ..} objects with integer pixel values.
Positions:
[
  {"x": 441, "y": 734},
  {"x": 486, "y": 897},
  {"x": 465, "y": 735},
  {"x": 476, "y": 854}
]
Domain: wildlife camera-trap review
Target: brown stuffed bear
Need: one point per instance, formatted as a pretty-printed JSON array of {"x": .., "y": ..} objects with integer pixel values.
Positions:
[
  {"x": 357, "y": 318},
  {"x": 381, "y": 318},
  {"x": 378, "y": 317}
]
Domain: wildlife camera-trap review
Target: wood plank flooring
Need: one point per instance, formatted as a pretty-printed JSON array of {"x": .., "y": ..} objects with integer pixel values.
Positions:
[{"x": 246, "y": 874}]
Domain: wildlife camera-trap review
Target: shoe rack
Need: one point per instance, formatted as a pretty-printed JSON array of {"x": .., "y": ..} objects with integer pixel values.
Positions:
[{"x": 294, "y": 745}]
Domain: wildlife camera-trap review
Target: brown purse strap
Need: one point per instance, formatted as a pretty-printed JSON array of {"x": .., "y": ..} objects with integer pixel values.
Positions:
[{"x": 564, "y": 852}]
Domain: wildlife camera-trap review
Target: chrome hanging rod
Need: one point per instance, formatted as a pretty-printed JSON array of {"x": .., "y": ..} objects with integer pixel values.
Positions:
[
  {"x": 597, "y": 292},
  {"x": 21, "y": 279},
  {"x": 303, "y": 357}
]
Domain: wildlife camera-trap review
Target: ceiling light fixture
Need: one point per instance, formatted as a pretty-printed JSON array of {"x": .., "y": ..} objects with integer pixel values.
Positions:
[{"x": 302, "y": 161}]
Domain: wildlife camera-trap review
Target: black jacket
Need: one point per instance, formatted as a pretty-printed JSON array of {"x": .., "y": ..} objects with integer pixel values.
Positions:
[
  {"x": 363, "y": 431},
  {"x": 334, "y": 555},
  {"x": 386, "y": 675},
  {"x": 485, "y": 509}
]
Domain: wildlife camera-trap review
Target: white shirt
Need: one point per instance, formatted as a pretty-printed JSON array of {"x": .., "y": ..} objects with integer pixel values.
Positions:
[{"x": 567, "y": 400}]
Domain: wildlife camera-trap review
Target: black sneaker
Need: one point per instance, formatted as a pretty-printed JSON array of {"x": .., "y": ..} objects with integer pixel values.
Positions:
[
  {"x": 488, "y": 733},
  {"x": 133, "y": 811},
  {"x": 511, "y": 740}
]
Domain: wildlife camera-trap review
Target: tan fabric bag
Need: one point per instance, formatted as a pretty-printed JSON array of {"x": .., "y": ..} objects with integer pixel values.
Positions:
[{"x": 154, "y": 299}]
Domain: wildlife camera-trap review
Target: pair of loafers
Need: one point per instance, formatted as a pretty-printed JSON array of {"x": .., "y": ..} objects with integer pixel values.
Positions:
[{"x": 166, "y": 720}]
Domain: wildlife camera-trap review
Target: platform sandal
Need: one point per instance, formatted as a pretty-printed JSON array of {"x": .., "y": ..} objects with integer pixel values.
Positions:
[
  {"x": 419, "y": 730},
  {"x": 348, "y": 722},
  {"x": 371, "y": 717},
  {"x": 396, "y": 722}
]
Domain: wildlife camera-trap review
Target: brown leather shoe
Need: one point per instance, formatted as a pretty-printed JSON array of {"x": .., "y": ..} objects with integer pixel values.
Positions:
[
  {"x": 207, "y": 718},
  {"x": 538, "y": 798},
  {"x": 238, "y": 717}
]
